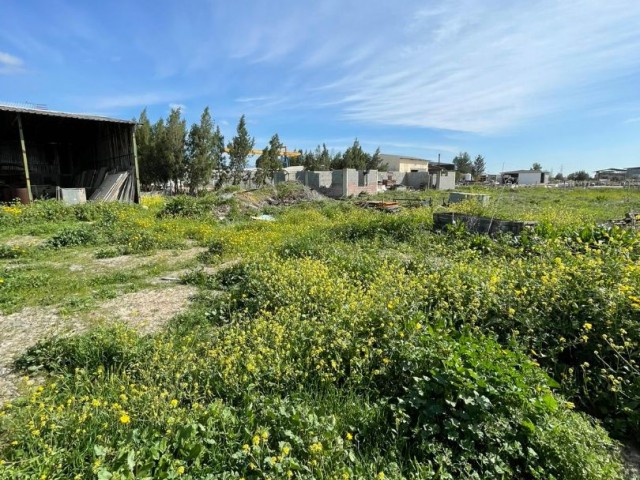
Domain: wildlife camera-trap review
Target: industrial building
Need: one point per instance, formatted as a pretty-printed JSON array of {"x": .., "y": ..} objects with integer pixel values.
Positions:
[
  {"x": 42, "y": 152},
  {"x": 400, "y": 163}
]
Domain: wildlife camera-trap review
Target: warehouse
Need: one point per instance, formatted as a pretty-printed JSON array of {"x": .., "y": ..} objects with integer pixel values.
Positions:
[
  {"x": 47, "y": 154},
  {"x": 401, "y": 163}
]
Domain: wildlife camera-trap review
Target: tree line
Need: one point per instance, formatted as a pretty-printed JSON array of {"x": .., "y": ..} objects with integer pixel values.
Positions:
[{"x": 168, "y": 151}]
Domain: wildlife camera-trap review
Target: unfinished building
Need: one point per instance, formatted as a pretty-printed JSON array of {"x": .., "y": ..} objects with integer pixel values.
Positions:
[{"x": 45, "y": 153}]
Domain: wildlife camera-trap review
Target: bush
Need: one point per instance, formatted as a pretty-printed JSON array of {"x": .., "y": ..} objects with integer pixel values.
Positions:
[
  {"x": 73, "y": 236},
  {"x": 113, "y": 347},
  {"x": 187, "y": 206}
]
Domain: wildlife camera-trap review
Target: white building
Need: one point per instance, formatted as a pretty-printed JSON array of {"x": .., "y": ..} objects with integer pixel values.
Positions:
[
  {"x": 400, "y": 163},
  {"x": 525, "y": 177}
]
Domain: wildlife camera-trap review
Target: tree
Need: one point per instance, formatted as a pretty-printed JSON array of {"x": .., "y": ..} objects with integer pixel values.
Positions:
[
  {"x": 537, "y": 167},
  {"x": 579, "y": 176},
  {"x": 559, "y": 176},
  {"x": 355, "y": 157},
  {"x": 239, "y": 149},
  {"x": 172, "y": 145},
  {"x": 145, "y": 148},
  {"x": 478, "y": 166},
  {"x": 158, "y": 167},
  {"x": 463, "y": 164},
  {"x": 204, "y": 147},
  {"x": 375, "y": 161},
  {"x": 318, "y": 160},
  {"x": 269, "y": 162},
  {"x": 323, "y": 158},
  {"x": 337, "y": 161}
]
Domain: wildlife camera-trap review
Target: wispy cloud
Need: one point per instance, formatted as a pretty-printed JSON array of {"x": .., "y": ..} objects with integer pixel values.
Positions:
[
  {"x": 481, "y": 68},
  {"x": 131, "y": 100},
  {"x": 10, "y": 64},
  {"x": 180, "y": 106}
]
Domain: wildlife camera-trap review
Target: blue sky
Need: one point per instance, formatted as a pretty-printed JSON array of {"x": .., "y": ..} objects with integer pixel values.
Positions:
[{"x": 549, "y": 81}]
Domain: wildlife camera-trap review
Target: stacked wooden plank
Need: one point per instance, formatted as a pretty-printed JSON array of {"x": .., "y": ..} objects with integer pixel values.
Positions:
[{"x": 116, "y": 186}]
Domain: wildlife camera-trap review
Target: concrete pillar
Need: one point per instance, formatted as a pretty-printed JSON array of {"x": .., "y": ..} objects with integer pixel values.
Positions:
[{"x": 345, "y": 182}]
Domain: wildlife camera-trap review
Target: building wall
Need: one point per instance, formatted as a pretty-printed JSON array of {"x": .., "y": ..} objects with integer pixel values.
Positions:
[
  {"x": 340, "y": 183},
  {"x": 417, "y": 179},
  {"x": 444, "y": 180},
  {"x": 398, "y": 163},
  {"x": 532, "y": 178}
]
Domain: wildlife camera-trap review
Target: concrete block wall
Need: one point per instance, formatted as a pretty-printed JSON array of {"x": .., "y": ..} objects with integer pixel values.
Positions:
[
  {"x": 417, "y": 179},
  {"x": 445, "y": 182}
]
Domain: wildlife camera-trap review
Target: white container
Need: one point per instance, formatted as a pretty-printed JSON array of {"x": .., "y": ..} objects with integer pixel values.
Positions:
[{"x": 72, "y": 196}]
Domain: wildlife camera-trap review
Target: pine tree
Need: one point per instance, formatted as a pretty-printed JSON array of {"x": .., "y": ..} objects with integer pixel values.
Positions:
[
  {"x": 239, "y": 149},
  {"x": 145, "y": 147},
  {"x": 355, "y": 157},
  {"x": 269, "y": 162},
  {"x": 159, "y": 157},
  {"x": 375, "y": 161},
  {"x": 174, "y": 145},
  {"x": 324, "y": 159},
  {"x": 204, "y": 147},
  {"x": 478, "y": 167}
]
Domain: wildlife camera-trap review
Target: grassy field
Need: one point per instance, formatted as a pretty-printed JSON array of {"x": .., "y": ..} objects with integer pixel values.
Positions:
[{"x": 185, "y": 339}]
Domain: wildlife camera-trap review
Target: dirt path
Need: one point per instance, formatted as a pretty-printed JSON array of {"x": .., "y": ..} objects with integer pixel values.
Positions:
[{"x": 146, "y": 310}]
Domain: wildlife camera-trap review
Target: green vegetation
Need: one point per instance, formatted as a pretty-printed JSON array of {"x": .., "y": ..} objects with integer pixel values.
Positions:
[{"x": 338, "y": 343}]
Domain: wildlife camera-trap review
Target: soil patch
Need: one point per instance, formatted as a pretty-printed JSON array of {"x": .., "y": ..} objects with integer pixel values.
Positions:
[
  {"x": 146, "y": 310},
  {"x": 23, "y": 329}
]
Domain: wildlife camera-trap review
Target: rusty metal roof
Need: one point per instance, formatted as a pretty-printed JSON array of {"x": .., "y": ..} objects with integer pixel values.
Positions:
[{"x": 53, "y": 113}]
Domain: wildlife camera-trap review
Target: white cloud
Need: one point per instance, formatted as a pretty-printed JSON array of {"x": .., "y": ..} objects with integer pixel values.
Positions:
[
  {"x": 10, "y": 64},
  {"x": 485, "y": 67},
  {"x": 181, "y": 106}
]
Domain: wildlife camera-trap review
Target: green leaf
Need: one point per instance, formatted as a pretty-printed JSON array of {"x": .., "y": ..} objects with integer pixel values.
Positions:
[
  {"x": 131, "y": 459},
  {"x": 528, "y": 425},
  {"x": 99, "y": 450},
  {"x": 550, "y": 402},
  {"x": 104, "y": 475}
]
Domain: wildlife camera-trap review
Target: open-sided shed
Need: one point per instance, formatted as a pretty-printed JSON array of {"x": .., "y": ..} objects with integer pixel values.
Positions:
[{"x": 42, "y": 151}]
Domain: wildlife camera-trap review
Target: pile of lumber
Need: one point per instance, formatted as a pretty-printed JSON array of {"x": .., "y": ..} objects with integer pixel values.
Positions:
[{"x": 116, "y": 186}]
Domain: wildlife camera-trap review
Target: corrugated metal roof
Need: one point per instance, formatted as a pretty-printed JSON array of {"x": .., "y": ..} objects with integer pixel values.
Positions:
[{"x": 53, "y": 113}]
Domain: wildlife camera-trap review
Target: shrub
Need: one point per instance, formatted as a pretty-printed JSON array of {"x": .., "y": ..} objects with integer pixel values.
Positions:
[
  {"x": 73, "y": 236},
  {"x": 187, "y": 206},
  {"x": 113, "y": 347}
]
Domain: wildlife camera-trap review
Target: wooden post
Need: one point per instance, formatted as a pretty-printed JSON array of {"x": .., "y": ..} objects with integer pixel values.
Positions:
[
  {"x": 135, "y": 162},
  {"x": 24, "y": 160}
]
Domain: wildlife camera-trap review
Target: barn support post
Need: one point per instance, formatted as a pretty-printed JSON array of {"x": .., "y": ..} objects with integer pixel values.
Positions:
[
  {"x": 23, "y": 147},
  {"x": 135, "y": 162}
]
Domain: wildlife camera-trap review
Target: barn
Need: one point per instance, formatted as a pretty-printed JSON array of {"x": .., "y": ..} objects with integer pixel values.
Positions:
[{"x": 48, "y": 154}]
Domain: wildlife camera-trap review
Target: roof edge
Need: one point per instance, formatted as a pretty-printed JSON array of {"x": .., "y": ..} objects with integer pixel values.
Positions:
[{"x": 55, "y": 113}]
